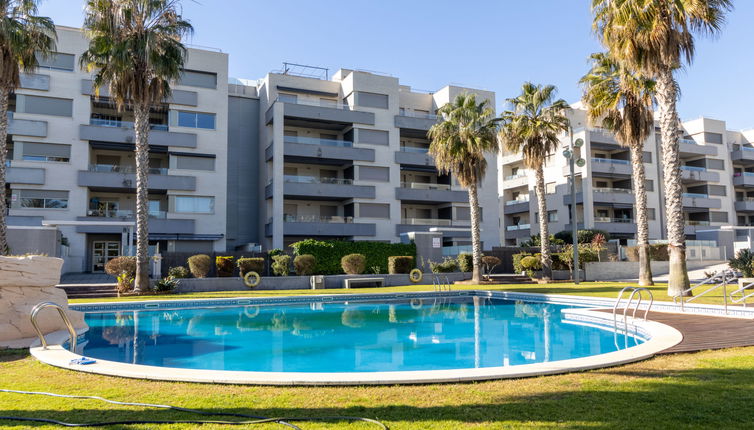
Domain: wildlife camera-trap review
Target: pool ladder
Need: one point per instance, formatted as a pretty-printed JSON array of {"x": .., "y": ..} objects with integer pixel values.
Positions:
[
  {"x": 637, "y": 292},
  {"x": 71, "y": 332},
  {"x": 438, "y": 283},
  {"x": 719, "y": 279}
]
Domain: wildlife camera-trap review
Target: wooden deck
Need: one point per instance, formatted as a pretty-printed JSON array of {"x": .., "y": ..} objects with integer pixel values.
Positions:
[{"x": 702, "y": 332}]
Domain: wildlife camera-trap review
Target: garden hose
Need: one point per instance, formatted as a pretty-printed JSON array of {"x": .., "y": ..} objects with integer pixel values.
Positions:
[{"x": 254, "y": 418}]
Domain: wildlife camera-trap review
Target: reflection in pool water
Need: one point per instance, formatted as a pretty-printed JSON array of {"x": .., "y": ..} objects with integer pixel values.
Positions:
[{"x": 420, "y": 334}]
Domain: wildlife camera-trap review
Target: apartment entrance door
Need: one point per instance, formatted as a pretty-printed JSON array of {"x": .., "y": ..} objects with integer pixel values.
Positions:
[{"x": 102, "y": 252}]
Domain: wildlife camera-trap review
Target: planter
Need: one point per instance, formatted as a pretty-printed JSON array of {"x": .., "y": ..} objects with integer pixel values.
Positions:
[{"x": 24, "y": 283}]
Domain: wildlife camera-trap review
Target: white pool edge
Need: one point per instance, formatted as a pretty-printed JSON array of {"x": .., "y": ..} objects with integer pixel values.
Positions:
[{"x": 662, "y": 337}]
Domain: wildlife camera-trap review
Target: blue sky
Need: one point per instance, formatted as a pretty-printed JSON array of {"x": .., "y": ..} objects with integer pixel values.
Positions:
[{"x": 495, "y": 45}]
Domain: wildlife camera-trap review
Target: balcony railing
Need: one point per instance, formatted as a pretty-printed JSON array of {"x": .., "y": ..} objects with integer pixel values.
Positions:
[
  {"x": 415, "y": 149},
  {"x": 313, "y": 180},
  {"x": 610, "y": 161},
  {"x": 694, "y": 168},
  {"x": 123, "y": 124},
  {"x": 746, "y": 199},
  {"x": 696, "y": 195},
  {"x": 108, "y": 168},
  {"x": 612, "y": 190},
  {"x": 689, "y": 141},
  {"x": 424, "y": 186},
  {"x": 616, "y": 220},
  {"x": 128, "y": 214},
  {"x": 747, "y": 148},
  {"x": 518, "y": 227},
  {"x": 736, "y": 174},
  {"x": 317, "y": 141},
  {"x": 415, "y": 114},
  {"x": 692, "y": 222},
  {"x": 319, "y": 103},
  {"x": 316, "y": 218},
  {"x": 517, "y": 201},
  {"x": 516, "y": 176},
  {"x": 426, "y": 221}
]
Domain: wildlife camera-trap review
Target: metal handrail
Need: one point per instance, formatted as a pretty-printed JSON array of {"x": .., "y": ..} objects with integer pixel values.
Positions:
[
  {"x": 634, "y": 292},
  {"x": 33, "y": 316},
  {"x": 438, "y": 284},
  {"x": 721, "y": 278},
  {"x": 743, "y": 296}
]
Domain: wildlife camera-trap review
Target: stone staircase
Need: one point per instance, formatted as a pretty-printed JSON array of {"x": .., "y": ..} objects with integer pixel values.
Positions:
[
  {"x": 501, "y": 278},
  {"x": 89, "y": 291}
]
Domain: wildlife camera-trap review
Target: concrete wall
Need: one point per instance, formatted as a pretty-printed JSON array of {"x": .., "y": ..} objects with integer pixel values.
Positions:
[{"x": 622, "y": 270}]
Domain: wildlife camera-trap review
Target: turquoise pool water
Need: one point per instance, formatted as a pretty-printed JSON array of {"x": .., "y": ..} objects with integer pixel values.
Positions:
[{"x": 431, "y": 333}]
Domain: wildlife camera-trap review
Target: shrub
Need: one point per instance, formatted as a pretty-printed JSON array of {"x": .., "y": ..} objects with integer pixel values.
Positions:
[
  {"x": 583, "y": 236},
  {"x": 119, "y": 265},
  {"x": 489, "y": 262},
  {"x": 657, "y": 252},
  {"x": 246, "y": 265},
  {"x": 304, "y": 264},
  {"x": 743, "y": 263},
  {"x": 166, "y": 284},
  {"x": 329, "y": 253},
  {"x": 199, "y": 265},
  {"x": 224, "y": 266},
  {"x": 273, "y": 252},
  {"x": 281, "y": 265},
  {"x": 400, "y": 264},
  {"x": 465, "y": 262},
  {"x": 125, "y": 283},
  {"x": 178, "y": 272},
  {"x": 354, "y": 264},
  {"x": 517, "y": 267},
  {"x": 448, "y": 265},
  {"x": 535, "y": 241},
  {"x": 531, "y": 263}
]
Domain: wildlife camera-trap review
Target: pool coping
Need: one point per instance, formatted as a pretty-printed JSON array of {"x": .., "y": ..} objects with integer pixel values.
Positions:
[{"x": 661, "y": 337}]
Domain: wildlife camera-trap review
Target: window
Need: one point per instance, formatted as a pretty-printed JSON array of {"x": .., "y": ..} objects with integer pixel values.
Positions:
[
  {"x": 45, "y": 152},
  {"x": 714, "y": 164},
  {"x": 191, "y": 204},
  {"x": 372, "y": 100},
  {"x": 716, "y": 190},
  {"x": 374, "y": 210},
  {"x": 601, "y": 184},
  {"x": 649, "y": 184},
  {"x": 713, "y": 138},
  {"x": 190, "y": 162},
  {"x": 550, "y": 188},
  {"x": 552, "y": 216},
  {"x": 288, "y": 98},
  {"x": 43, "y": 199},
  {"x": 718, "y": 216},
  {"x": 328, "y": 102},
  {"x": 374, "y": 173},
  {"x": 373, "y": 137},
  {"x": 196, "y": 120},
  {"x": 195, "y": 78},
  {"x": 56, "y": 61},
  {"x": 651, "y": 214},
  {"x": 647, "y": 157}
]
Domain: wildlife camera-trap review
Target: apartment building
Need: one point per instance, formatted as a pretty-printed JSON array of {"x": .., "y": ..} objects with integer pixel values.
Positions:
[
  {"x": 714, "y": 168},
  {"x": 346, "y": 157},
  {"x": 72, "y": 164}
]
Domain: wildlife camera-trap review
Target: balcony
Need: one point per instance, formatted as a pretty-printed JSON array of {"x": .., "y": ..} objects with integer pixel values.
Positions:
[
  {"x": 689, "y": 148},
  {"x": 415, "y": 120},
  {"x": 697, "y": 200},
  {"x": 311, "y": 188},
  {"x": 518, "y": 205},
  {"x": 602, "y": 138},
  {"x": 743, "y": 179},
  {"x": 610, "y": 167},
  {"x": 621, "y": 196},
  {"x": 745, "y": 205},
  {"x": 124, "y": 178},
  {"x": 335, "y": 113},
  {"x": 615, "y": 225},
  {"x": 451, "y": 228},
  {"x": 517, "y": 230},
  {"x": 180, "y": 97},
  {"x": 698, "y": 174},
  {"x": 432, "y": 193},
  {"x": 692, "y": 227},
  {"x": 335, "y": 226},
  {"x": 517, "y": 180},
  {"x": 158, "y": 222},
  {"x": 414, "y": 156},
  {"x": 26, "y": 127},
  {"x": 25, "y": 175},
  {"x": 744, "y": 156},
  {"x": 122, "y": 132},
  {"x": 323, "y": 149}
]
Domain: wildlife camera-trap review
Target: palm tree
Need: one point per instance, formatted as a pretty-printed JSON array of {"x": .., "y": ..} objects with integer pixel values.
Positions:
[
  {"x": 532, "y": 126},
  {"x": 621, "y": 100},
  {"x": 656, "y": 37},
  {"x": 23, "y": 36},
  {"x": 458, "y": 144},
  {"x": 135, "y": 49}
]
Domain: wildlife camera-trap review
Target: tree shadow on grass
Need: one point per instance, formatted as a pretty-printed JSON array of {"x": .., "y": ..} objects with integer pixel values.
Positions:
[
  {"x": 699, "y": 398},
  {"x": 7, "y": 355}
]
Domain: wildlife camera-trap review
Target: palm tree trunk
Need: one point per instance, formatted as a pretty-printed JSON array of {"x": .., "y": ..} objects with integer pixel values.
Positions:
[
  {"x": 544, "y": 233},
  {"x": 667, "y": 93},
  {"x": 4, "y": 247},
  {"x": 141, "y": 128},
  {"x": 476, "y": 240},
  {"x": 642, "y": 222}
]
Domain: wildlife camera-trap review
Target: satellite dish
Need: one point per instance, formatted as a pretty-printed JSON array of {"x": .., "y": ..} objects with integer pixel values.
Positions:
[
  {"x": 567, "y": 153},
  {"x": 578, "y": 143},
  {"x": 581, "y": 162}
]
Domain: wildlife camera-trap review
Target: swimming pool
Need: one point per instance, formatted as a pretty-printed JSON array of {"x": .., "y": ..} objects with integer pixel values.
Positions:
[{"x": 354, "y": 339}]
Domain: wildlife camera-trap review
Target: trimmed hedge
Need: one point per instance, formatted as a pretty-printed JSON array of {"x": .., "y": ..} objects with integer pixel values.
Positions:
[
  {"x": 329, "y": 253},
  {"x": 354, "y": 264},
  {"x": 224, "y": 265},
  {"x": 465, "y": 262},
  {"x": 199, "y": 265},
  {"x": 281, "y": 265},
  {"x": 400, "y": 264},
  {"x": 657, "y": 252},
  {"x": 246, "y": 265},
  {"x": 304, "y": 264},
  {"x": 178, "y": 272}
]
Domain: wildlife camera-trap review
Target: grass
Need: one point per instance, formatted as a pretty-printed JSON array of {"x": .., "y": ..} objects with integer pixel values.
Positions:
[
  {"x": 596, "y": 289},
  {"x": 711, "y": 389}
]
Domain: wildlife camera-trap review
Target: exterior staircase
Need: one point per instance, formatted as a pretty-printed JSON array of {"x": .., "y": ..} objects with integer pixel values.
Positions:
[{"x": 89, "y": 291}]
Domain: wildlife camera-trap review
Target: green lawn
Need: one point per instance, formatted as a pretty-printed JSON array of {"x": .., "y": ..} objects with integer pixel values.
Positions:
[
  {"x": 598, "y": 289},
  {"x": 713, "y": 389}
]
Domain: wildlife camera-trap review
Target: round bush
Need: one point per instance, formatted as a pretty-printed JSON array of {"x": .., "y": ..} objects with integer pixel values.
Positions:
[
  {"x": 246, "y": 265},
  {"x": 354, "y": 264},
  {"x": 178, "y": 272},
  {"x": 465, "y": 262},
  {"x": 120, "y": 265},
  {"x": 281, "y": 265},
  {"x": 490, "y": 261},
  {"x": 199, "y": 265},
  {"x": 531, "y": 263},
  {"x": 224, "y": 265},
  {"x": 400, "y": 264},
  {"x": 304, "y": 264}
]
